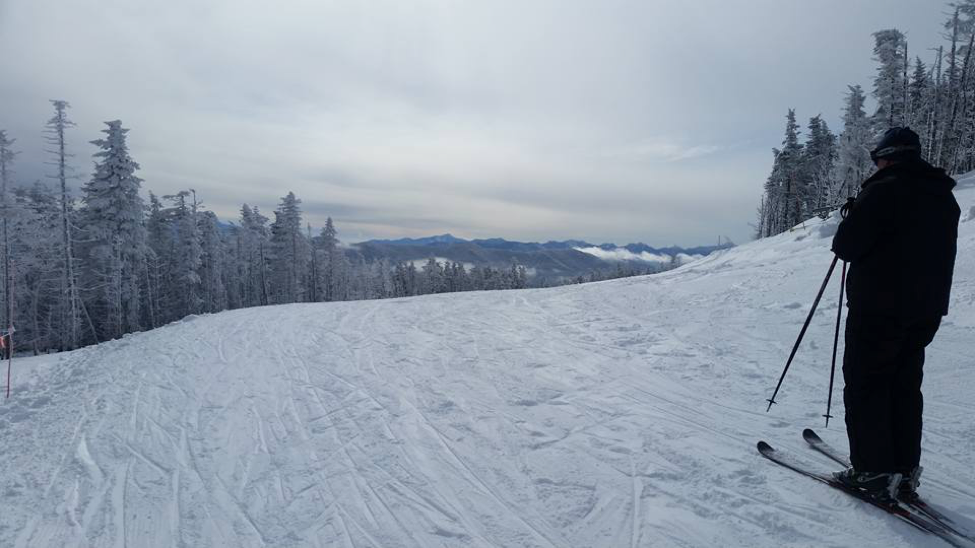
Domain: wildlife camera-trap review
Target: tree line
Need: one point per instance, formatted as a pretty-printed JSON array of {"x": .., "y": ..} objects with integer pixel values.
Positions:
[
  {"x": 77, "y": 272},
  {"x": 937, "y": 101}
]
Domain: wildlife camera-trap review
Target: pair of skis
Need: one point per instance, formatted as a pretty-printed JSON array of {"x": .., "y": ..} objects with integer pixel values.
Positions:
[{"x": 916, "y": 513}]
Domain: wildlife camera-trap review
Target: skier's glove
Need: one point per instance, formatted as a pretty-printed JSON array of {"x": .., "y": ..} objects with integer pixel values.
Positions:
[{"x": 845, "y": 210}]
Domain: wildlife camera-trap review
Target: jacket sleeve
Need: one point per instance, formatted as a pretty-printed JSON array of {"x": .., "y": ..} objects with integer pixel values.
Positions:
[{"x": 868, "y": 220}]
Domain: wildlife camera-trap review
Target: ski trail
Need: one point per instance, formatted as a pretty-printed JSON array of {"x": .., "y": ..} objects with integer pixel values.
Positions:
[{"x": 621, "y": 413}]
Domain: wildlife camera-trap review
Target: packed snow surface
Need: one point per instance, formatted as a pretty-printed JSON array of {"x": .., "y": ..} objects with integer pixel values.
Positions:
[{"x": 622, "y": 413}]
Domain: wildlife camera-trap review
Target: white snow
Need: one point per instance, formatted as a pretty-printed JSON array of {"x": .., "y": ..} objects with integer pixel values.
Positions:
[{"x": 621, "y": 413}]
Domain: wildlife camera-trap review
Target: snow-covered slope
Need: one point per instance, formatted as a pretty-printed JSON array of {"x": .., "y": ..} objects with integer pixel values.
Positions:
[{"x": 623, "y": 413}]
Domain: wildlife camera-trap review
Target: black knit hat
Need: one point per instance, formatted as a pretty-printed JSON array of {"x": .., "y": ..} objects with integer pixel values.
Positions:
[{"x": 897, "y": 144}]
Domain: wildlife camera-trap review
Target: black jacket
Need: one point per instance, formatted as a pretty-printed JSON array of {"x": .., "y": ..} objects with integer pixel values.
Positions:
[{"x": 900, "y": 239}]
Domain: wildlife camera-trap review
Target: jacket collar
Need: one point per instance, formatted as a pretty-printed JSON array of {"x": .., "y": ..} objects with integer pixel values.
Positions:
[{"x": 911, "y": 171}]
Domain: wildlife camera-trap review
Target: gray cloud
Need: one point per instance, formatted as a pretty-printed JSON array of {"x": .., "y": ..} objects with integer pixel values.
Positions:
[{"x": 608, "y": 121}]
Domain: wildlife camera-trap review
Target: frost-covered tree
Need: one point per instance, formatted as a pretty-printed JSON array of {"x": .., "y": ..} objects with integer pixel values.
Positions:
[
  {"x": 70, "y": 302},
  {"x": 6, "y": 212},
  {"x": 889, "y": 85},
  {"x": 433, "y": 277},
  {"x": 114, "y": 225},
  {"x": 35, "y": 241},
  {"x": 313, "y": 280},
  {"x": 289, "y": 251},
  {"x": 254, "y": 243},
  {"x": 919, "y": 98},
  {"x": 518, "y": 276},
  {"x": 794, "y": 190},
  {"x": 818, "y": 159},
  {"x": 952, "y": 141},
  {"x": 187, "y": 255},
  {"x": 333, "y": 271},
  {"x": 786, "y": 190},
  {"x": 853, "y": 164},
  {"x": 212, "y": 263},
  {"x": 159, "y": 251}
]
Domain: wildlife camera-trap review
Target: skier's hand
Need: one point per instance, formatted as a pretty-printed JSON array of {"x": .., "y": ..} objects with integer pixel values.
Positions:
[{"x": 845, "y": 209}]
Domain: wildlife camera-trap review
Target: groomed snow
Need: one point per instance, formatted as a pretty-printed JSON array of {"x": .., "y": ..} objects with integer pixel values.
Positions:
[{"x": 622, "y": 413}]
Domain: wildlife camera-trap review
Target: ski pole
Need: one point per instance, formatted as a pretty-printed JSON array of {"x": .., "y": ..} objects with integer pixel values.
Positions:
[
  {"x": 836, "y": 342},
  {"x": 802, "y": 333}
]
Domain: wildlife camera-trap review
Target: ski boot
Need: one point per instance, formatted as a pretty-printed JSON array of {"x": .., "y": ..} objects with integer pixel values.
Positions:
[
  {"x": 907, "y": 490},
  {"x": 881, "y": 487}
]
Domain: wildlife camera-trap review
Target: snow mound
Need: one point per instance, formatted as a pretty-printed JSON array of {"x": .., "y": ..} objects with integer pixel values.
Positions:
[{"x": 622, "y": 413}]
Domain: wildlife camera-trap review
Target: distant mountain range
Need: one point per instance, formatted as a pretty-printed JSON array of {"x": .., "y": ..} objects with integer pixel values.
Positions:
[{"x": 545, "y": 261}]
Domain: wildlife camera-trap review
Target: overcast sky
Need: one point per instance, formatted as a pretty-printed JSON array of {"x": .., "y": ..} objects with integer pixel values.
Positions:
[{"x": 602, "y": 120}]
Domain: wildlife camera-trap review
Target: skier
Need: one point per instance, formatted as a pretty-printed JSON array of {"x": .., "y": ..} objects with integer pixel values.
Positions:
[{"x": 899, "y": 236}]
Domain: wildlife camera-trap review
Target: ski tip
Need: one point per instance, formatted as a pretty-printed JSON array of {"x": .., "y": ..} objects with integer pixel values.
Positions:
[
  {"x": 809, "y": 434},
  {"x": 764, "y": 447}
]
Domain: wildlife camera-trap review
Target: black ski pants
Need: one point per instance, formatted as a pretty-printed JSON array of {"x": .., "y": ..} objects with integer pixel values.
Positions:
[{"x": 882, "y": 367}]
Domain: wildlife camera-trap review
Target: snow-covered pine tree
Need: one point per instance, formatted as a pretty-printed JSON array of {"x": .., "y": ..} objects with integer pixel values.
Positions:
[
  {"x": 769, "y": 212},
  {"x": 288, "y": 246},
  {"x": 160, "y": 243},
  {"x": 212, "y": 263},
  {"x": 70, "y": 320},
  {"x": 399, "y": 280},
  {"x": 918, "y": 98},
  {"x": 186, "y": 257},
  {"x": 957, "y": 130},
  {"x": 231, "y": 271},
  {"x": 455, "y": 275},
  {"x": 818, "y": 159},
  {"x": 433, "y": 277},
  {"x": 951, "y": 98},
  {"x": 384, "y": 279},
  {"x": 853, "y": 164},
  {"x": 890, "y": 51},
  {"x": 254, "y": 238},
  {"x": 332, "y": 255},
  {"x": 313, "y": 280},
  {"x": 793, "y": 188},
  {"x": 6, "y": 212},
  {"x": 35, "y": 240},
  {"x": 518, "y": 276},
  {"x": 115, "y": 246}
]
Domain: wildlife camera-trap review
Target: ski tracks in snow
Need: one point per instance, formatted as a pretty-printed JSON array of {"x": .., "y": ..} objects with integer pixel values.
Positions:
[{"x": 613, "y": 414}]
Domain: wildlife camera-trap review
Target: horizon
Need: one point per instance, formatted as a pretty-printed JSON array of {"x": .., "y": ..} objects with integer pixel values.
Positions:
[{"x": 449, "y": 235}]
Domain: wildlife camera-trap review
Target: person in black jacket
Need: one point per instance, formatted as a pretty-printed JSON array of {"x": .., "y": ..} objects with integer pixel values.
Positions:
[{"x": 899, "y": 237}]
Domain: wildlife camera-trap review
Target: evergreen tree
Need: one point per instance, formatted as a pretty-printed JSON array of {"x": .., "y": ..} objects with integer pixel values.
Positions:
[
  {"x": 70, "y": 302},
  {"x": 918, "y": 98},
  {"x": 819, "y": 157},
  {"x": 332, "y": 274},
  {"x": 793, "y": 190},
  {"x": 890, "y": 51},
  {"x": 288, "y": 247},
  {"x": 254, "y": 242},
  {"x": 6, "y": 212},
  {"x": 158, "y": 259},
  {"x": 853, "y": 164},
  {"x": 35, "y": 240},
  {"x": 186, "y": 256},
  {"x": 433, "y": 277},
  {"x": 113, "y": 220},
  {"x": 212, "y": 263}
]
